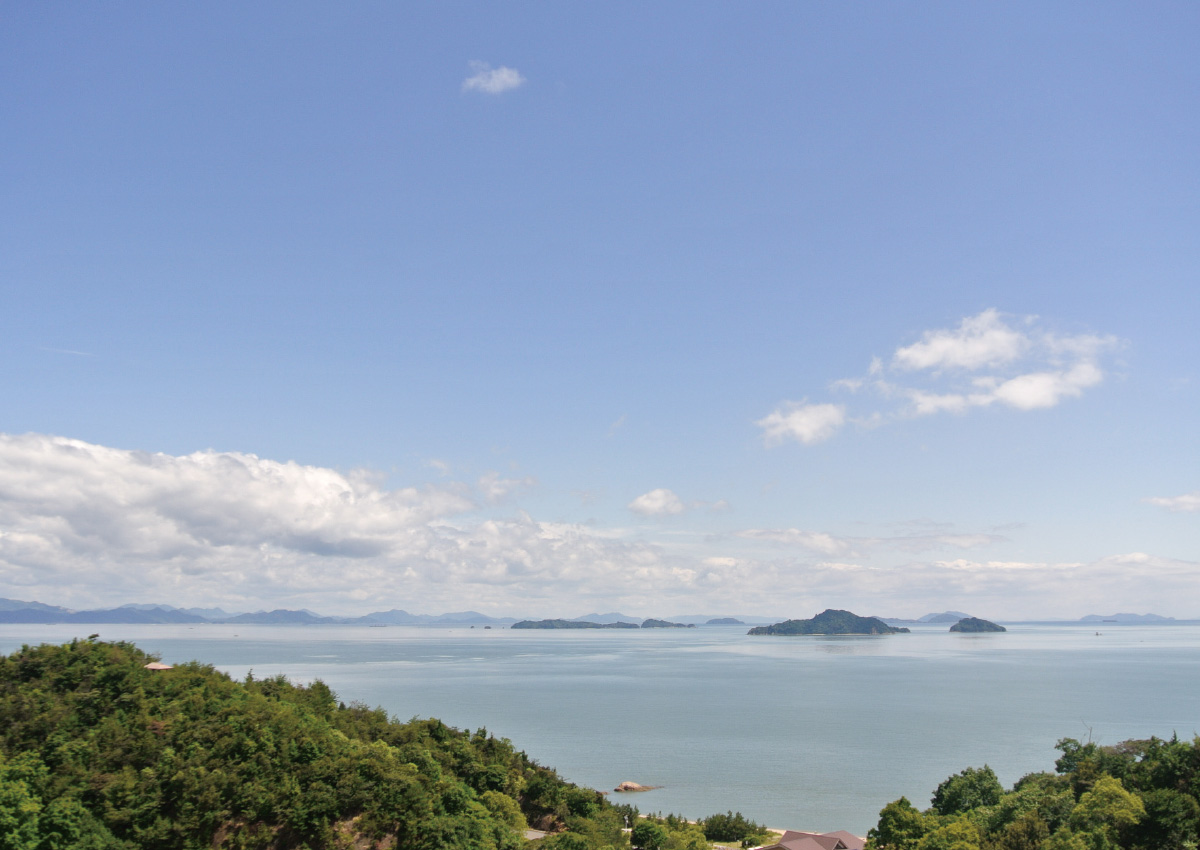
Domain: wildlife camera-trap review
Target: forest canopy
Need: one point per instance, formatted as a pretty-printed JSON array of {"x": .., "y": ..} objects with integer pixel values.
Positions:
[
  {"x": 96, "y": 751},
  {"x": 1137, "y": 795}
]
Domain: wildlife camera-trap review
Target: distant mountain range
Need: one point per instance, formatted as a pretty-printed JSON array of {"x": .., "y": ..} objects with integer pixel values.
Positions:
[
  {"x": 1126, "y": 618},
  {"x": 17, "y": 611},
  {"x": 686, "y": 619},
  {"x": 943, "y": 617}
]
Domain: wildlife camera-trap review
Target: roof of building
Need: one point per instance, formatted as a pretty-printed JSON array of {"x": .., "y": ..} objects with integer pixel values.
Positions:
[{"x": 840, "y": 840}]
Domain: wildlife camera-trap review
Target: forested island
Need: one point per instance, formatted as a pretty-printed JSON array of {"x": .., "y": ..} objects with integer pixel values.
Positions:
[
  {"x": 665, "y": 624},
  {"x": 586, "y": 624},
  {"x": 830, "y": 622},
  {"x": 570, "y": 624},
  {"x": 975, "y": 624}
]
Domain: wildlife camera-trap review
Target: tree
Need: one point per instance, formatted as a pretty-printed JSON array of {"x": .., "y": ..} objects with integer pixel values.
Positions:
[
  {"x": 648, "y": 835},
  {"x": 1027, "y": 832},
  {"x": 957, "y": 835},
  {"x": 972, "y": 788},
  {"x": 731, "y": 826},
  {"x": 900, "y": 827},
  {"x": 1172, "y": 819},
  {"x": 1104, "y": 811}
]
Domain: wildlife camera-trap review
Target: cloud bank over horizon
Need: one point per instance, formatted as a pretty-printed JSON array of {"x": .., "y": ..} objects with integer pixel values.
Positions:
[{"x": 87, "y": 525}]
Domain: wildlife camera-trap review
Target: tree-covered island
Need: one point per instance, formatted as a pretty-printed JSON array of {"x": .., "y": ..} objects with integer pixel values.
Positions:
[
  {"x": 830, "y": 622},
  {"x": 665, "y": 624},
  {"x": 972, "y": 625},
  {"x": 570, "y": 624}
]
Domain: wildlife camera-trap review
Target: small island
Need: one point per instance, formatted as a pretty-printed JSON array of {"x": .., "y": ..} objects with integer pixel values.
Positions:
[
  {"x": 663, "y": 624},
  {"x": 830, "y": 622},
  {"x": 725, "y": 621},
  {"x": 974, "y": 624},
  {"x": 570, "y": 624}
]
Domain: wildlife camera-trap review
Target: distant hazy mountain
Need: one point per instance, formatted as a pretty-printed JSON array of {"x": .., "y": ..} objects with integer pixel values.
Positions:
[
  {"x": 18, "y": 605},
  {"x": 280, "y": 616},
  {"x": 36, "y": 612},
  {"x": 471, "y": 617},
  {"x": 611, "y": 617},
  {"x": 208, "y": 613},
  {"x": 400, "y": 617},
  {"x": 1125, "y": 618},
  {"x": 706, "y": 619},
  {"x": 944, "y": 617}
]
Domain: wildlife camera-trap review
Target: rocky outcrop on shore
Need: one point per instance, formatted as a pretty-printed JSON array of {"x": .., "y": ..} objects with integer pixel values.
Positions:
[{"x": 633, "y": 786}]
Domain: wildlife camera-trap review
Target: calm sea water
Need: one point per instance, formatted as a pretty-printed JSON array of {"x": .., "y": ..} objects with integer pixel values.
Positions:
[{"x": 804, "y": 732}]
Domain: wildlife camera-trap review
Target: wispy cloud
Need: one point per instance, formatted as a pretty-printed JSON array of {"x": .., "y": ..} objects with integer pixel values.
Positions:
[
  {"x": 986, "y": 360},
  {"x": 488, "y": 80},
  {"x": 832, "y": 545},
  {"x": 70, "y": 351},
  {"x": 1187, "y": 503},
  {"x": 496, "y": 489},
  {"x": 812, "y": 541}
]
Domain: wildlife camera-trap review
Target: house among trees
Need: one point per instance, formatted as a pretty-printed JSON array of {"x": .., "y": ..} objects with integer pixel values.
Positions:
[{"x": 840, "y": 840}]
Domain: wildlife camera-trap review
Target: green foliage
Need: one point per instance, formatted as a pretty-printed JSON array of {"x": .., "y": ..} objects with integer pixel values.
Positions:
[
  {"x": 958, "y": 834},
  {"x": 1105, "y": 811},
  {"x": 971, "y": 789},
  {"x": 900, "y": 827},
  {"x": 648, "y": 835},
  {"x": 1027, "y": 832},
  {"x": 1137, "y": 795},
  {"x": 98, "y": 752},
  {"x": 731, "y": 826}
]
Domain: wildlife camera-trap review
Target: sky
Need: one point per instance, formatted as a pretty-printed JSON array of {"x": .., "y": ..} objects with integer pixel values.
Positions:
[{"x": 546, "y": 309}]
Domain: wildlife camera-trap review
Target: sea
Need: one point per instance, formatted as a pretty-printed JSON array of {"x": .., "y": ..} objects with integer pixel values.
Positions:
[{"x": 809, "y": 733}]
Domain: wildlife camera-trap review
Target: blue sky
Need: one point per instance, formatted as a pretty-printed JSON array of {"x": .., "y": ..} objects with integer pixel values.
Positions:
[{"x": 700, "y": 307}]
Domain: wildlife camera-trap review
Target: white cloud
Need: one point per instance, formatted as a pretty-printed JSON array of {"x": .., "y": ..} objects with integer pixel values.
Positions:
[
  {"x": 85, "y": 525},
  {"x": 1187, "y": 503},
  {"x": 660, "y": 502},
  {"x": 985, "y": 361},
  {"x": 804, "y": 423},
  {"x": 489, "y": 80},
  {"x": 983, "y": 340}
]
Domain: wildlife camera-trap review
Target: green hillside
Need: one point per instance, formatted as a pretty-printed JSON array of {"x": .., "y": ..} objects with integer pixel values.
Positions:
[{"x": 98, "y": 752}]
